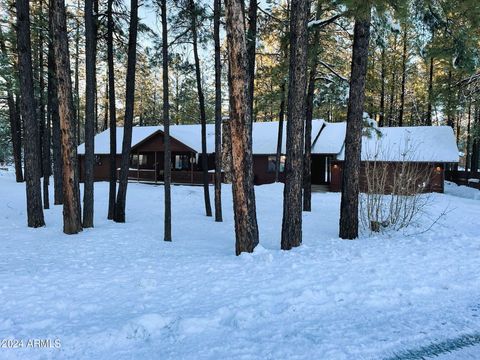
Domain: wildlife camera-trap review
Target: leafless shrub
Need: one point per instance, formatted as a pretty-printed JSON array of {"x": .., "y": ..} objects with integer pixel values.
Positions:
[{"x": 394, "y": 193}]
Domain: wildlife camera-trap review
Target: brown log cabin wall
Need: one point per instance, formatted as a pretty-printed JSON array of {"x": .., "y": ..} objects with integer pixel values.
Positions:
[
  {"x": 435, "y": 183},
  {"x": 261, "y": 173}
]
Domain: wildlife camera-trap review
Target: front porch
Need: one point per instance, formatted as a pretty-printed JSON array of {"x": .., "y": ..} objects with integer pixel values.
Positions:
[{"x": 186, "y": 167}]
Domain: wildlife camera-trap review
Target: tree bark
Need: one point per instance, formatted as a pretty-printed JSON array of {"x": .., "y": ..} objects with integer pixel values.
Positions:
[
  {"x": 404, "y": 75},
  {"x": 54, "y": 116},
  {"x": 119, "y": 215},
  {"x": 430, "y": 89},
  {"x": 105, "y": 105},
  {"x": 44, "y": 126},
  {"x": 32, "y": 162},
  {"x": 217, "y": 8},
  {"x": 77, "y": 79},
  {"x": 292, "y": 194},
  {"x": 467, "y": 146},
  {"x": 392, "y": 88},
  {"x": 112, "y": 113},
  {"x": 353, "y": 138},
  {"x": 246, "y": 228},
  {"x": 383, "y": 76},
  {"x": 475, "y": 147},
  {"x": 90, "y": 74},
  {"x": 201, "y": 104},
  {"x": 307, "y": 165},
  {"x": 166, "y": 128},
  {"x": 71, "y": 195},
  {"x": 450, "y": 110},
  {"x": 281, "y": 117},
  {"x": 227, "y": 151},
  {"x": 16, "y": 133},
  {"x": 251, "y": 48},
  {"x": 14, "y": 118}
]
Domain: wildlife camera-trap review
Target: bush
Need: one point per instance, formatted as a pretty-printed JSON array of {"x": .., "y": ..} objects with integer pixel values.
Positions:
[{"x": 394, "y": 195}]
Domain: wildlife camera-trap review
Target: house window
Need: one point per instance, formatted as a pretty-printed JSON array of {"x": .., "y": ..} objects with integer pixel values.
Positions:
[
  {"x": 182, "y": 162},
  {"x": 138, "y": 160},
  {"x": 272, "y": 160}
]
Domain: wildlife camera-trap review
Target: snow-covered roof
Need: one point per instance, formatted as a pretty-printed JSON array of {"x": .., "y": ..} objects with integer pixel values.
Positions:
[
  {"x": 102, "y": 140},
  {"x": 331, "y": 138},
  {"x": 190, "y": 135},
  {"x": 418, "y": 143},
  {"x": 265, "y": 135}
]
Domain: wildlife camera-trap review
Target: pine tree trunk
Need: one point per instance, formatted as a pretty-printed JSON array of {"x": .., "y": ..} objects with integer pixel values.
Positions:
[
  {"x": 90, "y": 74},
  {"x": 105, "y": 105},
  {"x": 353, "y": 138},
  {"x": 120, "y": 204},
  {"x": 16, "y": 133},
  {"x": 475, "y": 147},
  {"x": 246, "y": 229},
  {"x": 54, "y": 116},
  {"x": 15, "y": 126},
  {"x": 292, "y": 194},
  {"x": 383, "y": 76},
  {"x": 251, "y": 48},
  {"x": 227, "y": 151},
  {"x": 281, "y": 117},
  {"x": 307, "y": 165},
  {"x": 113, "y": 115},
  {"x": 430, "y": 89},
  {"x": 47, "y": 160},
  {"x": 77, "y": 79},
  {"x": 96, "y": 22},
  {"x": 217, "y": 5},
  {"x": 201, "y": 104},
  {"x": 392, "y": 88},
  {"x": 71, "y": 195},
  {"x": 31, "y": 136},
  {"x": 467, "y": 146},
  {"x": 166, "y": 128},
  {"x": 404, "y": 75},
  {"x": 44, "y": 130},
  {"x": 449, "y": 106}
]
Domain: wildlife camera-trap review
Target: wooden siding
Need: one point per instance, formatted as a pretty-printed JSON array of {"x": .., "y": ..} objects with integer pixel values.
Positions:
[
  {"x": 434, "y": 184},
  {"x": 261, "y": 173},
  {"x": 155, "y": 142}
]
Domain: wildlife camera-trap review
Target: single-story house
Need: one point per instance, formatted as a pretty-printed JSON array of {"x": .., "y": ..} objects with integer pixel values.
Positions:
[
  {"x": 427, "y": 151},
  {"x": 432, "y": 147}
]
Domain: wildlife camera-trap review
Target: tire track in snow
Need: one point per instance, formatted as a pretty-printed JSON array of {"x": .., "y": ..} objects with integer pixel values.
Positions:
[{"x": 440, "y": 348}]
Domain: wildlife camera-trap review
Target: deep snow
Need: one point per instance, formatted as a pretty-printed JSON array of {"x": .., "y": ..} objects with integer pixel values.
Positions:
[{"x": 118, "y": 291}]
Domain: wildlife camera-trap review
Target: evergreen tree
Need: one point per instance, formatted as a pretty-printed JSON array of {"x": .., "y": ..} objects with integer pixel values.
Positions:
[
  {"x": 71, "y": 193},
  {"x": 244, "y": 209},
  {"x": 292, "y": 194},
  {"x": 32, "y": 140},
  {"x": 353, "y": 137},
  {"x": 119, "y": 215}
]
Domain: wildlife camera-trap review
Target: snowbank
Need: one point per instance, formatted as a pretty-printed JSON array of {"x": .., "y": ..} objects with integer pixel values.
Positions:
[
  {"x": 461, "y": 191},
  {"x": 118, "y": 291}
]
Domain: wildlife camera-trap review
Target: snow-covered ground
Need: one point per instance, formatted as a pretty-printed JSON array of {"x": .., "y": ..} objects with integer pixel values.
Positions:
[{"x": 118, "y": 291}]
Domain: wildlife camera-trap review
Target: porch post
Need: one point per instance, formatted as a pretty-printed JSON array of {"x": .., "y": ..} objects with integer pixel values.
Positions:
[
  {"x": 191, "y": 168},
  {"x": 155, "y": 167},
  {"x": 138, "y": 166}
]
